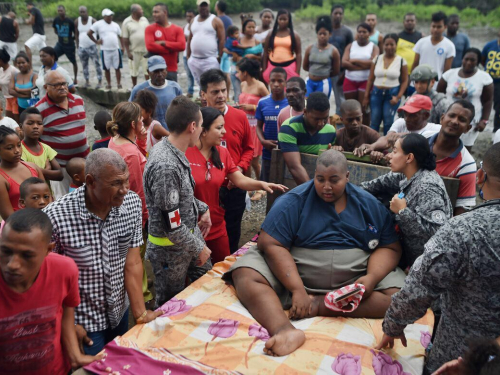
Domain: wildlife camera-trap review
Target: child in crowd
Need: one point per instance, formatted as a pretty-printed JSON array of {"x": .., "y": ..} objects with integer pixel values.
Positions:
[
  {"x": 233, "y": 41},
  {"x": 13, "y": 171},
  {"x": 39, "y": 291},
  {"x": 35, "y": 151},
  {"x": 155, "y": 131},
  {"x": 101, "y": 118},
  {"x": 7, "y": 121},
  {"x": 34, "y": 193},
  {"x": 76, "y": 170}
]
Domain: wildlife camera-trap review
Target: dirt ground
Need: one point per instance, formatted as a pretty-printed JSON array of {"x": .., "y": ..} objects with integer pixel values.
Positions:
[{"x": 252, "y": 219}]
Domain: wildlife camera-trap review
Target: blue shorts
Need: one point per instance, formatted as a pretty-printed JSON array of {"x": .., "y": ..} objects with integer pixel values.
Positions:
[{"x": 324, "y": 86}]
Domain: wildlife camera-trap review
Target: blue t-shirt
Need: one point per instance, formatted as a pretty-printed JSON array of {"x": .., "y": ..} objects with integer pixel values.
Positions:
[
  {"x": 301, "y": 218},
  {"x": 226, "y": 20},
  {"x": 462, "y": 43},
  {"x": 165, "y": 95},
  {"x": 229, "y": 46},
  {"x": 267, "y": 111},
  {"x": 491, "y": 52}
]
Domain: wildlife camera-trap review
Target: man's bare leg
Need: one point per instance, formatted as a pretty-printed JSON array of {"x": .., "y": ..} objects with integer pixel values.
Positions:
[
  {"x": 107, "y": 74},
  {"x": 28, "y": 52},
  {"x": 75, "y": 72},
  {"x": 134, "y": 81},
  {"x": 373, "y": 307},
  {"x": 118, "y": 78},
  {"x": 261, "y": 300}
]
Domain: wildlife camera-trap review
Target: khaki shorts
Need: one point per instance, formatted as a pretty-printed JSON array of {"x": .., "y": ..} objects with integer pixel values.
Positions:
[
  {"x": 320, "y": 270},
  {"x": 138, "y": 62}
]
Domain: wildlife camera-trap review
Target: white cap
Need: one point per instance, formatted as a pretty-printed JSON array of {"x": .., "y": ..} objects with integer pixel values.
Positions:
[{"x": 107, "y": 12}]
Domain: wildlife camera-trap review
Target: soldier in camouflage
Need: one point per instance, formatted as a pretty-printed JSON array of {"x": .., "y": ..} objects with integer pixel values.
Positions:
[
  {"x": 420, "y": 203},
  {"x": 460, "y": 265},
  {"x": 178, "y": 221}
]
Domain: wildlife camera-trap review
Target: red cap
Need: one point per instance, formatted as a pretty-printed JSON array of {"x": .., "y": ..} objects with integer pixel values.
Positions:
[{"x": 417, "y": 103}]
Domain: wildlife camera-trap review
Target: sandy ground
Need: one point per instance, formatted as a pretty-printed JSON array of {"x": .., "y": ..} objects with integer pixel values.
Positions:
[{"x": 252, "y": 219}]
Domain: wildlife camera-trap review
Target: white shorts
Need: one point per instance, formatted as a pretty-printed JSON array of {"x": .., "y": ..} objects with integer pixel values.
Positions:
[
  {"x": 11, "y": 48},
  {"x": 470, "y": 137},
  {"x": 111, "y": 59},
  {"x": 36, "y": 42},
  {"x": 138, "y": 61}
]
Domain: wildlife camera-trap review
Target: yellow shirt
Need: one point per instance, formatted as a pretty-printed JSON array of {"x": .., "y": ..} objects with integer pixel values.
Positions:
[
  {"x": 47, "y": 153},
  {"x": 405, "y": 50}
]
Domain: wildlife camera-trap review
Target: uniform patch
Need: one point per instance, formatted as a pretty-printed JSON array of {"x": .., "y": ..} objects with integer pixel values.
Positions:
[
  {"x": 372, "y": 228},
  {"x": 173, "y": 197},
  {"x": 438, "y": 217},
  {"x": 158, "y": 34},
  {"x": 174, "y": 218},
  {"x": 373, "y": 244}
]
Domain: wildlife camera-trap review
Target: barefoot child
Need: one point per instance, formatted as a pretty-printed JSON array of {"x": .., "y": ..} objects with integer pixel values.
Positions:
[
  {"x": 76, "y": 170},
  {"x": 39, "y": 291},
  {"x": 13, "y": 171},
  {"x": 155, "y": 131},
  {"x": 101, "y": 118},
  {"x": 35, "y": 151}
]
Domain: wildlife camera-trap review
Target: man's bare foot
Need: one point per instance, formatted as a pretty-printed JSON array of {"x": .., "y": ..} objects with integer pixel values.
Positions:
[{"x": 285, "y": 342}]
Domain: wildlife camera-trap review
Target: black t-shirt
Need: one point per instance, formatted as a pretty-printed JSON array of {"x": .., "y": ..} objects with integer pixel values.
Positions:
[
  {"x": 65, "y": 30},
  {"x": 412, "y": 38},
  {"x": 38, "y": 25}
]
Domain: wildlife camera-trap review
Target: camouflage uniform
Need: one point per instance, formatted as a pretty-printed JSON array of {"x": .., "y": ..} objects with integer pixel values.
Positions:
[
  {"x": 174, "y": 241},
  {"x": 461, "y": 264},
  {"x": 428, "y": 207}
]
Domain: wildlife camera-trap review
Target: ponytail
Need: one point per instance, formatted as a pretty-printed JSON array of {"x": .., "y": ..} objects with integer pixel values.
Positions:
[
  {"x": 418, "y": 145},
  {"x": 123, "y": 115}
]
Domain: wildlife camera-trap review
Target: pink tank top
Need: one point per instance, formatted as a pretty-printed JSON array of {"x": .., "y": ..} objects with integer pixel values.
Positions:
[
  {"x": 14, "y": 191},
  {"x": 250, "y": 99}
]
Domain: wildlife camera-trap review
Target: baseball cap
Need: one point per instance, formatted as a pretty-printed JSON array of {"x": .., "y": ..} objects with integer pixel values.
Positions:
[
  {"x": 423, "y": 73},
  {"x": 107, "y": 12},
  {"x": 199, "y": 2},
  {"x": 156, "y": 63},
  {"x": 417, "y": 103}
]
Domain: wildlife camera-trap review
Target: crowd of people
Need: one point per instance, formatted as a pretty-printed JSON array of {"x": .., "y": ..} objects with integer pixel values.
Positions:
[{"x": 168, "y": 181}]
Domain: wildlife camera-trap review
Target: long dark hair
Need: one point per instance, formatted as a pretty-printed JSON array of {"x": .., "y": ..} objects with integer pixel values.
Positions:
[
  {"x": 275, "y": 30},
  {"x": 209, "y": 116},
  {"x": 418, "y": 145}
]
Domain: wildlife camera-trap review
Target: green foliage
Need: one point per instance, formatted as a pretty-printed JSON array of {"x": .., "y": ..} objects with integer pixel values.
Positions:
[
  {"x": 122, "y": 8},
  {"x": 356, "y": 13}
]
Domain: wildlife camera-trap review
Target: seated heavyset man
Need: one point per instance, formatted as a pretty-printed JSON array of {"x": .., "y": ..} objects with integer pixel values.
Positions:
[
  {"x": 307, "y": 133},
  {"x": 99, "y": 226},
  {"x": 461, "y": 267},
  {"x": 320, "y": 236}
]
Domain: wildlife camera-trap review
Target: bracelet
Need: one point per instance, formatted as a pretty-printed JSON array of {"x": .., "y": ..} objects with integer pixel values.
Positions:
[
  {"x": 141, "y": 318},
  {"x": 254, "y": 107}
]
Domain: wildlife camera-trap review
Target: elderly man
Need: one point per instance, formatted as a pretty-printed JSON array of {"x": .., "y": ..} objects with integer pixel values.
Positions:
[
  {"x": 320, "y": 236},
  {"x": 178, "y": 221},
  {"x": 133, "y": 31},
  {"x": 86, "y": 48},
  {"x": 99, "y": 225},
  {"x": 64, "y": 125},
  {"x": 109, "y": 33},
  {"x": 165, "y": 39},
  {"x": 460, "y": 267},
  {"x": 64, "y": 28},
  {"x": 206, "y": 41},
  {"x": 295, "y": 90},
  {"x": 308, "y": 133},
  {"x": 164, "y": 89},
  {"x": 238, "y": 141}
]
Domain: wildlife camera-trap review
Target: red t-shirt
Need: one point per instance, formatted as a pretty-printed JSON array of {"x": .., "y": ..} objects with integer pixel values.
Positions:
[
  {"x": 30, "y": 322},
  {"x": 208, "y": 191},
  {"x": 175, "y": 43},
  {"x": 238, "y": 138}
]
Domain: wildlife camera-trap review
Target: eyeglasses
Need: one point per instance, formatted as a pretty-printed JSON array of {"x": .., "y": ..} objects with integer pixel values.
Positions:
[
  {"x": 208, "y": 175},
  {"x": 58, "y": 85}
]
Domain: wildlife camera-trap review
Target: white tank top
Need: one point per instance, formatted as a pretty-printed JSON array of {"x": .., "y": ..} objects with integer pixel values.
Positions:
[
  {"x": 204, "y": 41},
  {"x": 359, "y": 53},
  {"x": 83, "y": 39}
]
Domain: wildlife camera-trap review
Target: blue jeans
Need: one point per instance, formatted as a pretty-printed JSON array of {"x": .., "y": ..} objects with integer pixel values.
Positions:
[
  {"x": 101, "y": 338},
  {"x": 381, "y": 108},
  {"x": 236, "y": 83},
  {"x": 189, "y": 76}
]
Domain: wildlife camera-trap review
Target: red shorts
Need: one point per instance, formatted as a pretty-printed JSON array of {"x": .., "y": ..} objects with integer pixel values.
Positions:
[
  {"x": 219, "y": 247},
  {"x": 257, "y": 146},
  {"x": 353, "y": 86},
  {"x": 11, "y": 105}
]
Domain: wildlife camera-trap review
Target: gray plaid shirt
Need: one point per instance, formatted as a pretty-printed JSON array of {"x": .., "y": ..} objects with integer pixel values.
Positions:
[{"x": 99, "y": 249}]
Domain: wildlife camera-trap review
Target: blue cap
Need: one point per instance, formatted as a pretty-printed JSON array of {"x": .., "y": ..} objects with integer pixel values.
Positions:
[{"x": 156, "y": 63}]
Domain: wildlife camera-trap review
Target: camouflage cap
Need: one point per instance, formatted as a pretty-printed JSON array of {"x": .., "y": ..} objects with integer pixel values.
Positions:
[{"x": 423, "y": 73}]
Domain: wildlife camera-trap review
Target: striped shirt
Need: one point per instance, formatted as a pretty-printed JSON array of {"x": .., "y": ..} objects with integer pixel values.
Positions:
[
  {"x": 460, "y": 164},
  {"x": 64, "y": 130},
  {"x": 294, "y": 137}
]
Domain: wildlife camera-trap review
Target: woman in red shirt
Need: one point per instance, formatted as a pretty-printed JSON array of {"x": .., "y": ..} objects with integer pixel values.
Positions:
[{"x": 212, "y": 168}]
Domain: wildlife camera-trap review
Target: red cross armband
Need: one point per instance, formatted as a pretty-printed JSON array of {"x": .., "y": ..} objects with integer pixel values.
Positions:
[{"x": 172, "y": 218}]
